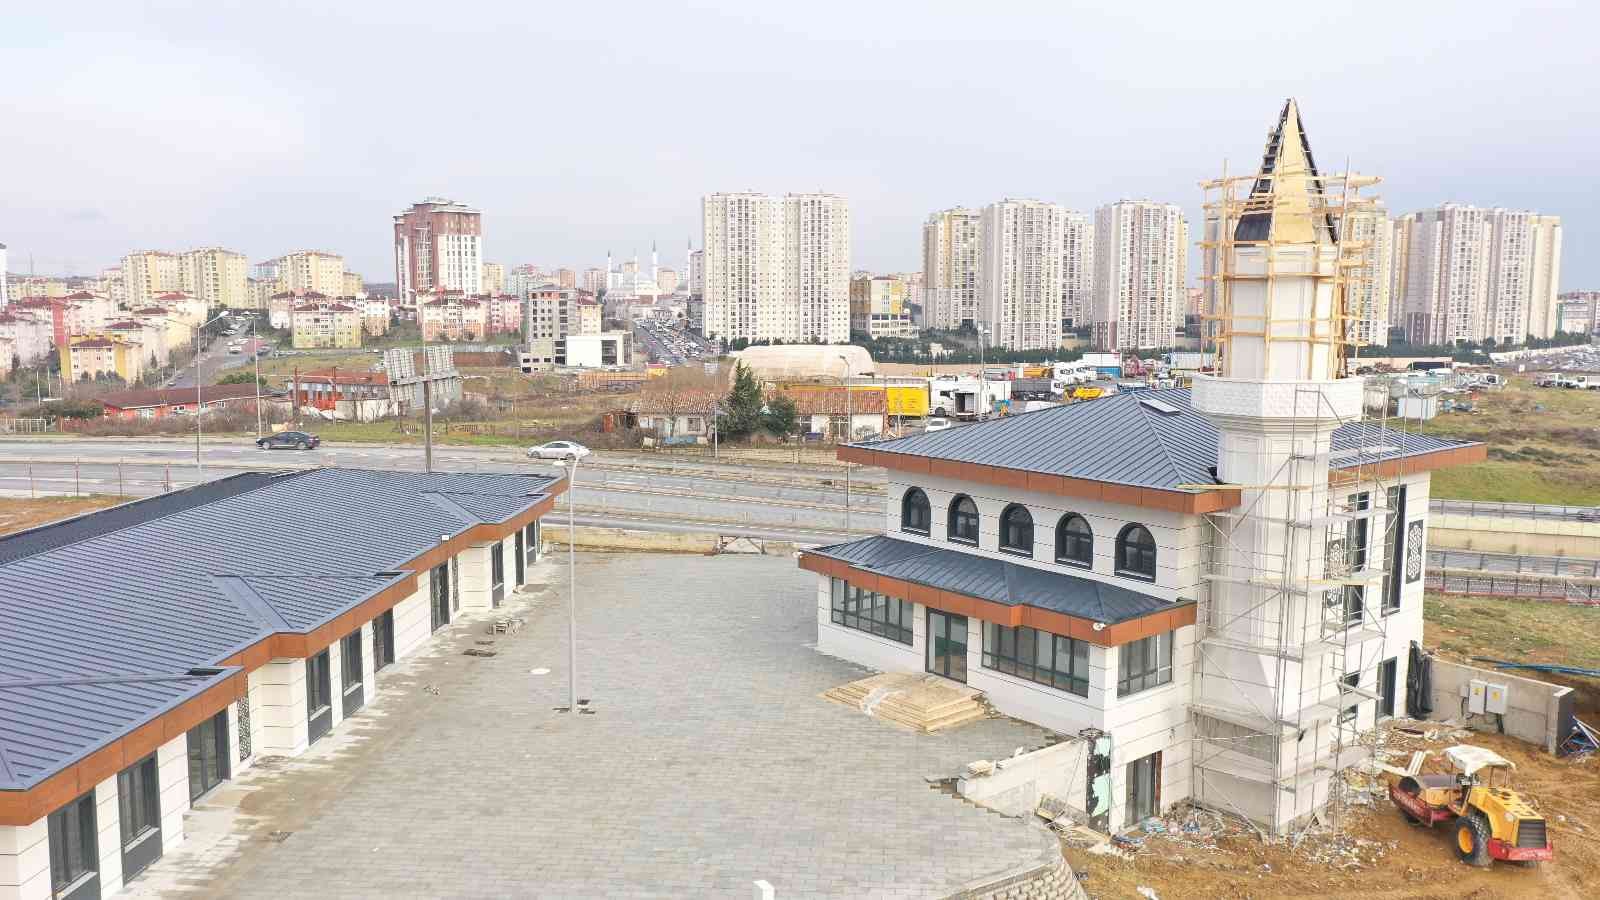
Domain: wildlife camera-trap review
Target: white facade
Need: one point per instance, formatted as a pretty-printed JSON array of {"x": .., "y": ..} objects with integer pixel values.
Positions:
[
  {"x": 1473, "y": 274},
  {"x": 271, "y": 720},
  {"x": 1021, "y": 278},
  {"x": 952, "y": 251},
  {"x": 1141, "y": 273},
  {"x": 777, "y": 267},
  {"x": 1077, "y": 271},
  {"x": 5, "y": 279}
]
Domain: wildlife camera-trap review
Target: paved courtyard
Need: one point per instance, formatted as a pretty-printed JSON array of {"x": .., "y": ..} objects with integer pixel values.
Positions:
[{"x": 710, "y": 762}]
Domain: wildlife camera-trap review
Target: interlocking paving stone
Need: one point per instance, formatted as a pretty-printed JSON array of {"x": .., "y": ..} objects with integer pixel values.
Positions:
[{"x": 711, "y": 762}]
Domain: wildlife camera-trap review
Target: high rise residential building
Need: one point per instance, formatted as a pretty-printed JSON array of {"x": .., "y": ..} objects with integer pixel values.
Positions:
[
  {"x": 1474, "y": 274},
  {"x": 109, "y": 284},
  {"x": 494, "y": 279},
  {"x": 1020, "y": 278},
  {"x": 697, "y": 274},
  {"x": 594, "y": 280},
  {"x": 1369, "y": 283},
  {"x": 1399, "y": 265},
  {"x": 1577, "y": 312},
  {"x": 150, "y": 274},
  {"x": 880, "y": 307},
  {"x": 216, "y": 276},
  {"x": 777, "y": 268},
  {"x": 353, "y": 285},
  {"x": 566, "y": 278},
  {"x": 1141, "y": 270},
  {"x": 667, "y": 280},
  {"x": 438, "y": 246},
  {"x": 952, "y": 248},
  {"x": 1544, "y": 304},
  {"x": 311, "y": 271},
  {"x": 1077, "y": 271}
]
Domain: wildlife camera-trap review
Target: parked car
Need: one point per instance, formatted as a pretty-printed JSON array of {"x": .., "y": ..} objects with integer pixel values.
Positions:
[
  {"x": 935, "y": 425},
  {"x": 558, "y": 450},
  {"x": 289, "y": 440}
]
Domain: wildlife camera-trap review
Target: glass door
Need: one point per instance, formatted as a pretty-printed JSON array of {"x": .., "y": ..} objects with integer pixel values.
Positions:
[{"x": 947, "y": 645}]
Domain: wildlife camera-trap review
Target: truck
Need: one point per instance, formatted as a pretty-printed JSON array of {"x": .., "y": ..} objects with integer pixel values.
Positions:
[
  {"x": 1037, "y": 389},
  {"x": 974, "y": 399}
]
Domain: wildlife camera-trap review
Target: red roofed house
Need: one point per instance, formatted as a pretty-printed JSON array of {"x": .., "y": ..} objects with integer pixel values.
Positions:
[
  {"x": 155, "y": 404},
  {"x": 348, "y": 394}
]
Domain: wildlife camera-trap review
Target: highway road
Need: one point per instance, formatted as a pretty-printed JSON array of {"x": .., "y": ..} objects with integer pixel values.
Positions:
[
  {"x": 785, "y": 502},
  {"x": 1514, "y": 510}
]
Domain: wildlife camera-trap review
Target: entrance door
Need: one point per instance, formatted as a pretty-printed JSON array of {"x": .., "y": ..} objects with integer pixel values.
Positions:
[
  {"x": 522, "y": 560},
  {"x": 1144, "y": 788},
  {"x": 947, "y": 645}
]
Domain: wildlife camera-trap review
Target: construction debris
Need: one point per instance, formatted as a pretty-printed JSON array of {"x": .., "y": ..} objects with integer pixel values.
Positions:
[{"x": 924, "y": 703}]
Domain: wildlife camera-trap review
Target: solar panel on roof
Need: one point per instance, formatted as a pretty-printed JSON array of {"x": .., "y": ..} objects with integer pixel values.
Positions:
[{"x": 1157, "y": 405}]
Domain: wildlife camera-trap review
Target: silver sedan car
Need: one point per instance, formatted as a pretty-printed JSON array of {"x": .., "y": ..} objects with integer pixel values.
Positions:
[{"x": 558, "y": 450}]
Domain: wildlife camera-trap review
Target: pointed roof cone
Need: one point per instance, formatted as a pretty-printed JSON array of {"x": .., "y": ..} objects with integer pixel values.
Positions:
[{"x": 1286, "y": 190}]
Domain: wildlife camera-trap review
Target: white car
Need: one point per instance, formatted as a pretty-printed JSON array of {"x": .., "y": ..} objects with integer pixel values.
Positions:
[
  {"x": 935, "y": 425},
  {"x": 558, "y": 450}
]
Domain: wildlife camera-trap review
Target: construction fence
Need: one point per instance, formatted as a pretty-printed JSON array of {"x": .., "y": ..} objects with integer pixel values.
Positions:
[{"x": 1558, "y": 578}]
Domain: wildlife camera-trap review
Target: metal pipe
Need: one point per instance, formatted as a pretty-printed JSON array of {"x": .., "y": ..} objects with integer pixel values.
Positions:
[{"x": 572, "y": 586}]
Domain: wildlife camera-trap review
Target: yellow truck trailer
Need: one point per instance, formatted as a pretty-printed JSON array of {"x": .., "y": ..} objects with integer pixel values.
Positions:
[{"x": 909, "y": 400}]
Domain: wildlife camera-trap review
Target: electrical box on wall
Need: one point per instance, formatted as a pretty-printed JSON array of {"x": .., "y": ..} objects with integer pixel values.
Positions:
[
  {"x": 1494, "y": 698},
  {"x": 1474, "y": 691}
]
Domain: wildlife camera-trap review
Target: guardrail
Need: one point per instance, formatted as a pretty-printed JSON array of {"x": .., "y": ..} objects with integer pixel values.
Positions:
[
  {"x": 1514, "y": 510},
  {"x": 1565, "y": 579}
]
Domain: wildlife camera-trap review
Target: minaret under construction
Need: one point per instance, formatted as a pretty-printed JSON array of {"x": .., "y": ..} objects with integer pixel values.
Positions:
[{"x": 1290, "y": 625}]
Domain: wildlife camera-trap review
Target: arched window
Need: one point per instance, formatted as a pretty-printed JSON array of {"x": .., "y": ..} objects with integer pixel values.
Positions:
[
  {"x": 1074, "y": 541},
  {"x": 914, "y": 515},
  {"x": 1136, "y": 553},
  {"x": 963, "y": 524},
  {"x": 1016, "y": 530}
]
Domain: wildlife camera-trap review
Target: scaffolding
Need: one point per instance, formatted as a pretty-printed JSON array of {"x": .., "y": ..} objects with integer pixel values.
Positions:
[{"x": 1280, "y": 677}]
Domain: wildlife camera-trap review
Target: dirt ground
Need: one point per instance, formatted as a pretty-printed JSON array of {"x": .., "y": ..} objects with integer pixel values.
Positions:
[
  {"x": 1376, "y": 853},
  {"x": 18, "y": 514}
]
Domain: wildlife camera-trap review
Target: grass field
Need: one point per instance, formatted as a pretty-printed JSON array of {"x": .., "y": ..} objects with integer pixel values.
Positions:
[
  {"x": 1544, "y": 446},
  {"x": 18, "y": 513}
]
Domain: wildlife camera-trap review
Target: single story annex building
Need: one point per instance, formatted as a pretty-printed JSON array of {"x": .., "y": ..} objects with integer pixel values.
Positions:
[{"x": 150, "y": 651}]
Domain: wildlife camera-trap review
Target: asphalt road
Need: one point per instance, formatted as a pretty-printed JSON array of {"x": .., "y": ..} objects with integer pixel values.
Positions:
[{"x": 620, "y": 490}]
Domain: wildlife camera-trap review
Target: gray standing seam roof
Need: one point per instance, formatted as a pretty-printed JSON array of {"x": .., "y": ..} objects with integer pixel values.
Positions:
[
  {"x": 1122, "y": 439},
  {"x": 997, "y": 580},
  {"x": 104, "y": 617}
]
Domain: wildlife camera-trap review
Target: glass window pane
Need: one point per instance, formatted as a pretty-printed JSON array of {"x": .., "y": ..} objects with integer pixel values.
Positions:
[
  {"x": 1080, "y": 658},
  {"x": 1044, "y": 653}
]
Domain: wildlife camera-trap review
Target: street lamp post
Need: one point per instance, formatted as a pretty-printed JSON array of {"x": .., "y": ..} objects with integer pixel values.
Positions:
[
  {"x": 849, "y": 433},
  {"x": 255, "y": 358},
  {"x": 983, "y": 379},
  {"x": 572, "y": 582},
  {"x": 199, "y": 400}
]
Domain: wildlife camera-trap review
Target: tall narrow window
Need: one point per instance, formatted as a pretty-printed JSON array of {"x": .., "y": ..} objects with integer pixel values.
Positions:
[
  {"x": 963, "y": 524},
  {"x": 208, "y": 754},
  {"x": 74, "y": 856},
  {"x": 497, "y": 573},
  {"x": 383, "y": 640},
  {"x": 350, "y": 665},
  {"x": 1016, "y": 530},
  {"x": 1394, "y": 572},
  {"x": 1074, "y": 541},
  {"x": 914, "y": 514},
  {"x": 439, "y": 591},
  {"x": 1136, "y": 553}
]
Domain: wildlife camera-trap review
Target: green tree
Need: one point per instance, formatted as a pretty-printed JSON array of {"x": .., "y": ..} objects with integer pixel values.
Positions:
[
  {"x": 241, "y": 378},
  {"x": 780, "y": 416},
  {"x": 741, "y": 413}
]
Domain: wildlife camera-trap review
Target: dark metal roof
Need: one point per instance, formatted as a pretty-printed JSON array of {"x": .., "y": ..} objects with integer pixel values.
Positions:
[
  {"x": 996, "y": 580},
  {"x": 140, "y": 594},
  {"x": 1152, "y": 439}
]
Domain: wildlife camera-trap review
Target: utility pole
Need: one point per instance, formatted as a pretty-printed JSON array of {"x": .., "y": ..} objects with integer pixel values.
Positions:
[
  {"x": 255, "y": 357},
  {"x": 427, "y": 423},
  {"x": 849, "y": 432}
]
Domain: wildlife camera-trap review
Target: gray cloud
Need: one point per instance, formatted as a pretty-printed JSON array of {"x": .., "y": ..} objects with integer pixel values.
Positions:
[{"x": 583, "y": 127}]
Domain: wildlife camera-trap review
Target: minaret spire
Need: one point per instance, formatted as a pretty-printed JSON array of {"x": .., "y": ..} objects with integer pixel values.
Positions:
[{"x": 1281, "y": 200}]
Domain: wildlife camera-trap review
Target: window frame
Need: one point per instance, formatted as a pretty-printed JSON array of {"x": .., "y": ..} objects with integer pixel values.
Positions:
[
  {"x": 216, "y": 743},
  {"x": 954, "y": 514},
  {"x": 1154, "y": 661},
  {"x": 1006, "y": 545},
  {"x": 997, "y": 639},
  {"x": 439, "y": 595},
  {"x": 75, "y": 819},
  {"x": 1124, "y": 545},
  {"x": 881, "y": 616},
  {"x": 1086, "y": 542},
  {"x": 909, "y": 504},
  {"x": 1350, "y": 712},
  {"x": 139, "y": 798},
  {"x": 497, "y": 572}
]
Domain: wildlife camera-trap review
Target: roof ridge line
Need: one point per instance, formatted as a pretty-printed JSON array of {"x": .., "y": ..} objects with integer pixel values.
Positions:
[
  {"x": 1145, "y": 413},
  {"x": 248, "y": 600},
  {"x": 97, "y": 679}
]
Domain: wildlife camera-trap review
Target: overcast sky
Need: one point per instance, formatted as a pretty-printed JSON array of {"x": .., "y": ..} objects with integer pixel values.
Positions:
[{"x": 578, "y": 127}]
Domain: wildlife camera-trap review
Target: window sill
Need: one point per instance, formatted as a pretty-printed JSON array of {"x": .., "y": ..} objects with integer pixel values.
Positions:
[
  {"x": 1137, "y": 576},
  {"x": 1145, "y": 691},
  {"x": 145, "y": 835},
  {"x": 963, "y": 542},
  {"x": 1076, "y": 564},
  {"x": 917, "y": 531},
  {"x": 1017, "y": 551},
  {"x": 1049, "y": 689}
]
